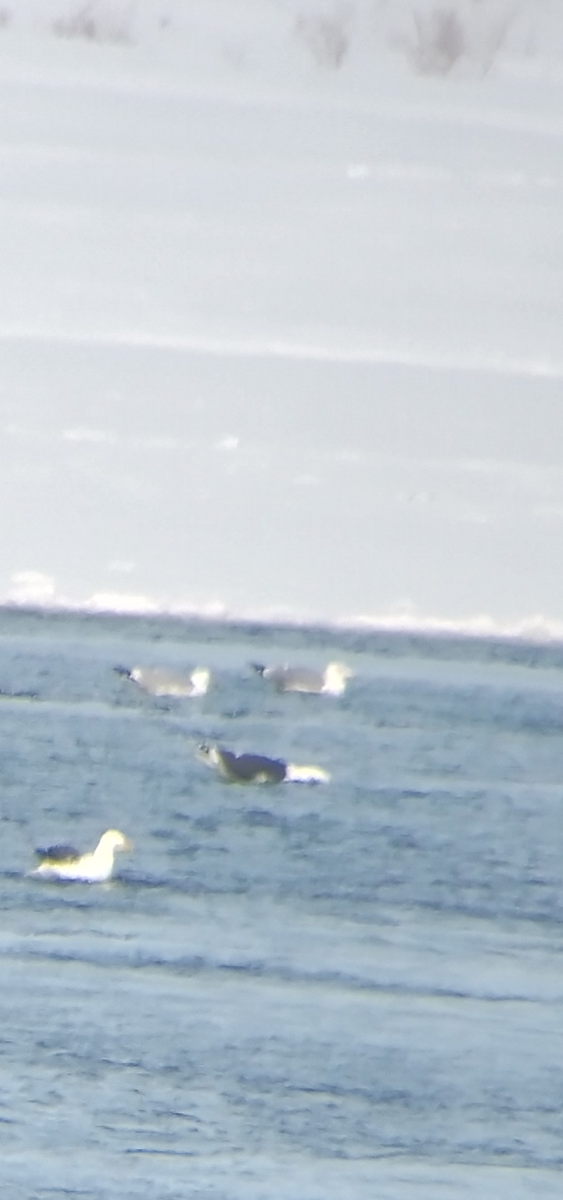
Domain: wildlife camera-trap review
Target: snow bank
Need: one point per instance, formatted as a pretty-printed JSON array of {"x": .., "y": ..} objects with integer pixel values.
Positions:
[{"x": 287, "y": 40}]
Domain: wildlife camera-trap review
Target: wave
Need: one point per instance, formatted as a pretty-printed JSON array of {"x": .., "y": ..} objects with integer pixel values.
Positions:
[{"x": 106, "y": 953}]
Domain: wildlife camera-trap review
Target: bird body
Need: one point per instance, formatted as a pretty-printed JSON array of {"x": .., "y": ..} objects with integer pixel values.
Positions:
[
  {"x": 159, "y": 681},
  {"x": 95, "y": 866},
  {"x": 330, "y": 682},
  {"x": 257, "y": 768}
]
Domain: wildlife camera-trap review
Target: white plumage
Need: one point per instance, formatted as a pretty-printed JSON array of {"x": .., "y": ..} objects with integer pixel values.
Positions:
[{"x": 95, "y": 866}]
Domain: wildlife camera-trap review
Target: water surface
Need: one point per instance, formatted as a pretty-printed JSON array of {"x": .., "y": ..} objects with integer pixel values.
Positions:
[{"x": 340, "y": 991}]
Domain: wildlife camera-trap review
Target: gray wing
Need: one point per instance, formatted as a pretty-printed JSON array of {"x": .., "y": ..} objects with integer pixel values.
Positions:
[
  {"x": 251, "y": 768},
  {"x": 297, "y": 679},
  {"x": 59, "y": 853}
]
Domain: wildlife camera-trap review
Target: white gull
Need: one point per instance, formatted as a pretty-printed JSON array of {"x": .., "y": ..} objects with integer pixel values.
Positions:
[{"x": 95, "y": 866}]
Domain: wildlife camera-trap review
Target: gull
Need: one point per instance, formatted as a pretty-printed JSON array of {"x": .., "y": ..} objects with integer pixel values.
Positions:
[
  {"x": 159, "y": 681},
  {"x": 257, "y": 768},
  {"x": 330, "y": 682},
  {"x": 64, "y": 862}
]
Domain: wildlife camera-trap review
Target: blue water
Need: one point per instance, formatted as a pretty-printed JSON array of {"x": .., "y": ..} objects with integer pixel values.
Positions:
[{"x": 345, "y": 991}]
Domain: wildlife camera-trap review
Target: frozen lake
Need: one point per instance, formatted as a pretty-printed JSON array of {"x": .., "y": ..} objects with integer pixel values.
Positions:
[{"x": 334, "y": 991}]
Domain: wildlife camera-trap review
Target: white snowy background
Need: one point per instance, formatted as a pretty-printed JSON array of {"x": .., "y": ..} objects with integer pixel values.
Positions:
[{"x": 281, "y": 308}]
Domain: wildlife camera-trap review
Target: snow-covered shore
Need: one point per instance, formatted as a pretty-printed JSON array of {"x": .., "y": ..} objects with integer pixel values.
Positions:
[{"x": 280, "y": 309}]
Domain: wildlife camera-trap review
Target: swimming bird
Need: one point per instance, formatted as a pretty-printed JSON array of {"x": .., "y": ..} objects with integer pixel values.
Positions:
[
  {"x": 257, "y": 768},
  {"x": 64, "y": 862},
  {"x": 330, "y": 682},
  {"x": 159, "y": 681}
]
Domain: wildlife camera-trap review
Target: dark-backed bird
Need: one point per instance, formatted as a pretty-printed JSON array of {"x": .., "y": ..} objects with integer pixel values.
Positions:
[
  {"x": 95, "y": 866},
  {"x": 257, "y": 768}
]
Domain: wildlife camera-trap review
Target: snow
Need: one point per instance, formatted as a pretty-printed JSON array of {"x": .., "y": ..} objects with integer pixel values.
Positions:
[{"x": 281, "y": 309}]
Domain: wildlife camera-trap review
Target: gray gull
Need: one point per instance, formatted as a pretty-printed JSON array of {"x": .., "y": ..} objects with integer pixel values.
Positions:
[
  {"x": 330, "y": 682},
  {"x": 159, "y": 681}
]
